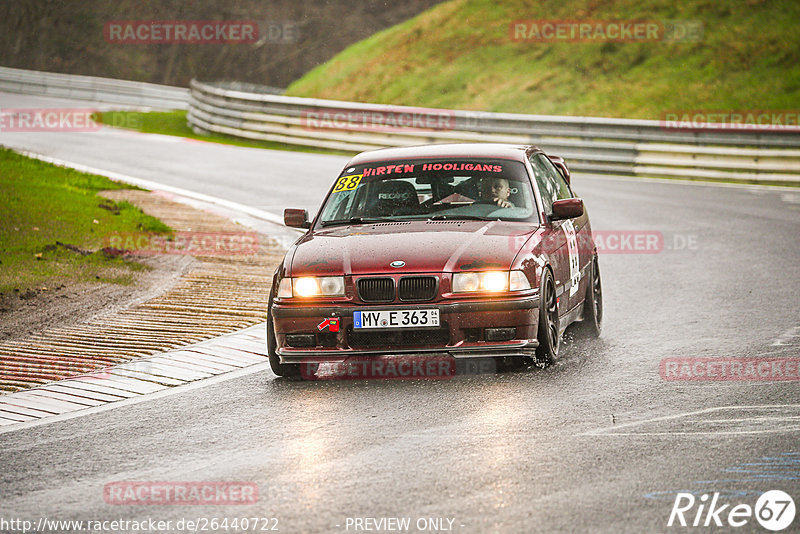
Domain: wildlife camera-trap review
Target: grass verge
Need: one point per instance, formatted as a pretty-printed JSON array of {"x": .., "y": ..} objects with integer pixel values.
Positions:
[
  {"x": 465, "y": 54},
  {"x": 53, "y": 226}
]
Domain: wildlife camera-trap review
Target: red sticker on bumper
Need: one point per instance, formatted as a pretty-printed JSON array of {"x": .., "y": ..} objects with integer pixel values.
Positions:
[{"x": 331, "y": 324}]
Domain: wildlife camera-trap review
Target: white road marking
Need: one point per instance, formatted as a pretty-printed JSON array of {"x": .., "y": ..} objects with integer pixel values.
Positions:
[
  {"x": 132, "y": 385},
  {"x": 790, "y": 337},
  {"x": 783, "y": 422},
  {"x": 48, "y": 393},
  {"x": 157, "y": 379},
  {"x": 21, "y": 410},
  {"x": 202, "y": 361},
  {"x": 161, "y": 138},
  {"x": 94, "y": 388},
  {"x": 7, "y": 418},
  {"x": 23, "y": 399},
  {"x": 84, "y": 393}
]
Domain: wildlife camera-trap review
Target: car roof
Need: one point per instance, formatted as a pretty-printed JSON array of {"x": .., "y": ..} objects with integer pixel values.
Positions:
[{"x": 450, "y": 150}]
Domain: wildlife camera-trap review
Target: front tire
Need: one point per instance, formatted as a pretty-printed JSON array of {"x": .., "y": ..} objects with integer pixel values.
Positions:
[
  {"x": 548, "y": 334},
  {"x": 289, "y": 370}
]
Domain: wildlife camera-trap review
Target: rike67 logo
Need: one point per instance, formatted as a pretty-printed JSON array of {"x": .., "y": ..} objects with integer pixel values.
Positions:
[{"x": 774, "y": 510}]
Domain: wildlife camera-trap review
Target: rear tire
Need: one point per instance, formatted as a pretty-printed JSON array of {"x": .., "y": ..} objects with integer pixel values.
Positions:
[
  {"x": 548, "y": 334},
  {"x": 592, "y": 323}
]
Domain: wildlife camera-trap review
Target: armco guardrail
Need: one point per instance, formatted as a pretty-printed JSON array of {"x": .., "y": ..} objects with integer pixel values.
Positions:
[
  {"x": 620, "y": 146},
  {"x": 125, "y": 93}
]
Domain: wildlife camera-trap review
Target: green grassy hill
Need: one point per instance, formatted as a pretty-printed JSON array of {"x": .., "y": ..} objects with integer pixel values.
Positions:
[{"x": 460, "y": 55}]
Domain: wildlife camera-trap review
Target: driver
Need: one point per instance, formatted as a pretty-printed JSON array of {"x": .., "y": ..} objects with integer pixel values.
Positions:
[{"x": 496, "y": 191}]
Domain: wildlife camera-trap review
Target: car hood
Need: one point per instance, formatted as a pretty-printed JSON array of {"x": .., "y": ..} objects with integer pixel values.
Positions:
[{"x": 424, "y": 246}]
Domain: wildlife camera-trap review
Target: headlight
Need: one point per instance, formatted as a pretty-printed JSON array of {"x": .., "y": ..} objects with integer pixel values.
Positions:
[
  {"x": 494, "y": 281},
  {"x": 312, "y": 286},
  {"x": 465, "y": 282},
  {"x": 490, "y": 281}
]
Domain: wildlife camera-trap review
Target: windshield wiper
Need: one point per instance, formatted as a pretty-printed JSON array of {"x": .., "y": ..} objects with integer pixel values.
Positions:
[
  {"x": 461, "y": 217},
  {"x": 357, "y": 220}
]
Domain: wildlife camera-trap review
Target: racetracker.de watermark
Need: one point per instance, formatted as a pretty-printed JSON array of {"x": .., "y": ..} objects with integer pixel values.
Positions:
[
  {"x": 48, "y": 120},
  {"x": 21, "y": 368},
  {"x": 12, "y": 368},
  {"x": 608, "y": 242},
  {"x": 594, "y": 31},
  {"x": 181, "y": 493},
  {"x": 410, "y": 367},
  {"x": 787, "y": 120},
  {"x": 383, "y": 120},
  {"x": 777, "y": 369},
  {"x": 185, "y": 243},
  {"x": 180, "y": 31}
]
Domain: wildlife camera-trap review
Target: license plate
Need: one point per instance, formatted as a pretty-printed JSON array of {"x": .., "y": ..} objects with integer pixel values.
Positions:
[{"x": 396, "y": 318}]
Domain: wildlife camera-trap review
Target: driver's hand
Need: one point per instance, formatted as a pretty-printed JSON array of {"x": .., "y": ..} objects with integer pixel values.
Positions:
[{"x": 502, "y": 203}]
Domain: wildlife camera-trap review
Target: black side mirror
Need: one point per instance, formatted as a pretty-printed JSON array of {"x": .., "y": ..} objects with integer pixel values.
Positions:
[
  {"x": 561, "y": 165},
  {"x": 296, "y": 218},
  {"x": 568, "y": 208}
]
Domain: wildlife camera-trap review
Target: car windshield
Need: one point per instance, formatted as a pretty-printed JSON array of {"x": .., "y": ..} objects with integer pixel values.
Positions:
[{"x": 430, "y": 189}]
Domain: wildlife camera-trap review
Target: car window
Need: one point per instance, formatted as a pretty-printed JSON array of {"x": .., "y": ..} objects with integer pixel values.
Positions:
[
  {"x": 563, "y": 187},
  {"x": 422, "y": 189},
  {"x": 544, "y": 184},
  {"x": 549, "y": 182},
  {"x": 341, "y": 205}
]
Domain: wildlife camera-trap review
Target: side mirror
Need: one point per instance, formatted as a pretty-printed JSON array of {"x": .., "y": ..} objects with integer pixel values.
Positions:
[
  {"x": 296, "y": 218},
  {"x": 561, "y": 165},
  {"x": 568, "y": 208}
]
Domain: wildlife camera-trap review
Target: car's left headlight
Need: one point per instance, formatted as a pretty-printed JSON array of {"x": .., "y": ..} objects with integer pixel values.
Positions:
[
  {"x": 311, "y": 286},
  {"x": 490, "y": 281}
]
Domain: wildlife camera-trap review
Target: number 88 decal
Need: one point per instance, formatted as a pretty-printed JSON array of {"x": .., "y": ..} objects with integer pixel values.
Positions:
[{"x": 347, "y": 183}]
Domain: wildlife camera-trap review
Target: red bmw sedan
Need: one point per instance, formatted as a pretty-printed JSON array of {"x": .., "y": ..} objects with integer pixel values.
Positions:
[{"x": 469, "y": 250}]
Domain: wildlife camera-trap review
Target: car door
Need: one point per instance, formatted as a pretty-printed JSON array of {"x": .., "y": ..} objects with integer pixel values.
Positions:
[
  {"x": 578, "y": 236},
  {"x": 556, "y": 232}
]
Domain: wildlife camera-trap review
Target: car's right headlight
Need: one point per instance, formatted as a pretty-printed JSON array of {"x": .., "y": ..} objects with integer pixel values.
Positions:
[{"x": 490, "y": 281}]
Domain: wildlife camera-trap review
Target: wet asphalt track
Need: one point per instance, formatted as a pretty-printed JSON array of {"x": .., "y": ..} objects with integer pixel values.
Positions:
[{"x": 580, "y": 446}]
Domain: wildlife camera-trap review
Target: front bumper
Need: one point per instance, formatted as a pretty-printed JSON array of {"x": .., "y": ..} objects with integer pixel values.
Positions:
[{"x": 462, "y": 332}]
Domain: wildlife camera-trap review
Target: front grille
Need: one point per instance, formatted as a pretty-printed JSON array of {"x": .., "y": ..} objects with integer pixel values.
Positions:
[
  {"x": 376, "y": 289},
  {"x": 398, "y": 338},
  {"x": 417, "y": 288}
]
